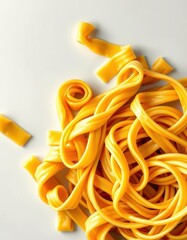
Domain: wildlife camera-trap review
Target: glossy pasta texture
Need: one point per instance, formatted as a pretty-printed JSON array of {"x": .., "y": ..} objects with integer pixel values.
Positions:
[
  {"x": 13, "y": 131},
  {"x": 118, "y": 165}
]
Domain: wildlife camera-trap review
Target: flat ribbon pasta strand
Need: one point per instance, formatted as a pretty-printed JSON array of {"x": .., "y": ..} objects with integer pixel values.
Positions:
[
  {"x": 96, "y": 45},
  {"x": 13, "y": 131}
]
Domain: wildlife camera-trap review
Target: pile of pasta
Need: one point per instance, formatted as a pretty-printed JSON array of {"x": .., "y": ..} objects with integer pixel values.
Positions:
[{"x": 118, "y": 165}]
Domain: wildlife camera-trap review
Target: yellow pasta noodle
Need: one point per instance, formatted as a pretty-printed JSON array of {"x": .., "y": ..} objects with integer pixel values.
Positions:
[
  {"x": 118, "y": 164},
  {"x": 14, "y": 132}
]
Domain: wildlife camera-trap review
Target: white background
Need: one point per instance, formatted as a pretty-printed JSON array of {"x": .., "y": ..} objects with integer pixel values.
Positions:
[{"x": 38, "y": 51}]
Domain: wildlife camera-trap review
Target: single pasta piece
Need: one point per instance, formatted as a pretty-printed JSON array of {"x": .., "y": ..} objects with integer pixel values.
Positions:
[
  {"x": 13, "y": 131},
  {"x": 64, "y": 222},
  {"x": 31, "y": 165},
  {"x": 117, "y": 166},
  {"x": 96, "y": 45}
]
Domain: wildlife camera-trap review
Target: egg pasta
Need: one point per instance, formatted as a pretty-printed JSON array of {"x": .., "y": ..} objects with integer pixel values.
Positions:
[
  {"x": 13, "y": 131},
  {"x": 118, "y": 164}
]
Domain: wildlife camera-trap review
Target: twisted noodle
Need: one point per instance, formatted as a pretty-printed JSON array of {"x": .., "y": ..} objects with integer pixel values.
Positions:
[{"x": 123, "y": 151}]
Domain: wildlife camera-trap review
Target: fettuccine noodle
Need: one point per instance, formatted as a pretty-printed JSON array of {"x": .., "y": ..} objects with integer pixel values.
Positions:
[
  {"x": 123, "y": 152},
  {"x": 13, "y": 131}
]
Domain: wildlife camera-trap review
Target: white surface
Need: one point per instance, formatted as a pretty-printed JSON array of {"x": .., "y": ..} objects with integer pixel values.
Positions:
[{"x": 38, "y": 52}]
